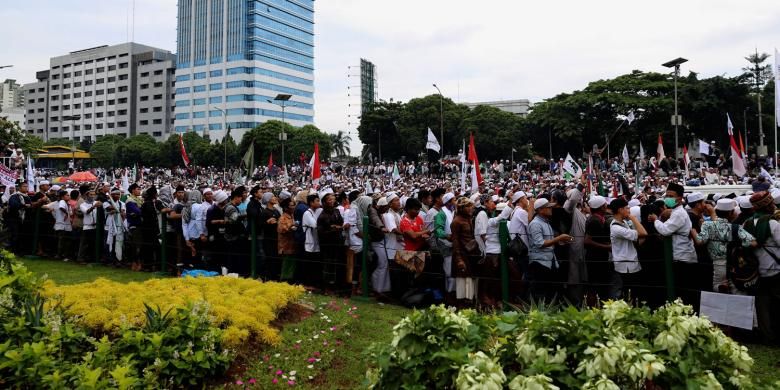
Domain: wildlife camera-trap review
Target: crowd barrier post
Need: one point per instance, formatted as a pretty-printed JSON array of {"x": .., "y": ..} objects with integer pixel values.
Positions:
[
  {"x": 164, "y": 249},
  {"x": 36, "y": 233},
  {"x": 503, "y": 237},
  {"x": 99, "y": 234},
  {"x": 671, "y": 294},
  {"x": 253, "y": 248}
]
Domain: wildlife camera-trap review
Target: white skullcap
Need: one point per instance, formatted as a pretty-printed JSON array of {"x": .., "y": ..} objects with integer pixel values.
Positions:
[
  {"x": 597, "y": 201},
  {"x": 633, "y": 202},
  {"x": 517, "y": 195},
  {"x": 220, "y": 196},
  {"x": 695, "y": 197},
  {"x": 448, "y": 197},
  {"x": 726, "y": 204}
]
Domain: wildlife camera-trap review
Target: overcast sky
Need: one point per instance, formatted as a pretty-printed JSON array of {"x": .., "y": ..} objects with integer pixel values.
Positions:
[{"x": 474, "y": 50}]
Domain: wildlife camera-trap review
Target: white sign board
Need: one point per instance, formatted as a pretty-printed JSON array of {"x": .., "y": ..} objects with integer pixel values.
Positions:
[{"x": 727, "y": 309}]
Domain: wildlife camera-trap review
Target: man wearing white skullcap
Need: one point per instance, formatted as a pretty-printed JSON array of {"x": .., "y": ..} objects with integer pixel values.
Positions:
[{"x": 716, "y": 234}]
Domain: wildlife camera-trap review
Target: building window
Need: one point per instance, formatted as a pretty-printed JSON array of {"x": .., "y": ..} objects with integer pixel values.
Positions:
[
  {"x": 87, "y": 116},
  {"x": 111, "y": 90},
  {"x": 77, "y": 73},
  {"x": 77, "y": 84},
  {"x": 183, "y": 115},
  {"x": 88, "y": 71},
  {"x": 66, "y": 106},
  {"x": 198, "y": 102},
  {"x": 87, "y": 104},
  {"x": 77, "y": 95},
  {"x": 215, "y": 87},
  {"x": 144, "y": 110},
  {"x": 110, "y": 125},
  {"x": 199, "y": 114},
  {"x": 87, "y": 93},
  {"x": 199, "y": 75},
  {"x": 181, "y": 91},
  {"x": 98, "y": 114},
  {"x": 122, "y": 112},
  {"x": 123, "y": 65},
  {"x": 54, "y": 118},
  {"x": 99, "y": 126},
  {"x": 100, "y": 103},
  {"x": 157, "y": 97},
  {"x": 66, "y": 96},
  {"x": 158, "y": 72},
  {"x": 87, "y": 127},
  {"x": 158, "y": 84},
  {"x": 100, "y": 69},
  {"x": 122, "y": 100},
  {"x": 183, "y": 77},
  {"x": 110, "y": 113},
  {"x": 157, "y": 122},
  {"x": 199, "y": 88},
  {"x": 123, "y": 89},
  {"x": 111, "y": 79},
  {"x": 215, "y": 99},
  {"x": 88, "y": 82},
  {"x": 99, "y": 92},
  {"x": 55, "y": 87},
  {"x": 65, "y": 86},
  {"x": 145, "y": 74},
  {"x": 157, "y": 109},
  {"x": 123, "y": 77},
  {"x": 144, "y": 98},
  {"x": 77, "y": 106},
  {"x": 111, "y": 67},
  {"x": 144, "y": 86},
  {"x": 100, "y": 81},
  {"x": 55, "y": 108},
  {"x": 111, "y": 102},
  {"x": 144, "y": 122}
]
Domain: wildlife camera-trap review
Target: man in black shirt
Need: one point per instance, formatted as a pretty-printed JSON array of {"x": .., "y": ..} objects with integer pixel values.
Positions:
[{"x": 597, "y": 247}]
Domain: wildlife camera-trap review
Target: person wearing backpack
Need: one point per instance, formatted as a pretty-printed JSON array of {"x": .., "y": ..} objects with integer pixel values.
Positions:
[
  {"x": 766, "y": 229},
  {"x": 718, "y": 238}
]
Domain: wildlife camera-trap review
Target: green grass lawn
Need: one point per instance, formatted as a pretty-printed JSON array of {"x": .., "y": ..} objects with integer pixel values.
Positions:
[{"x": 324, "y": 338}]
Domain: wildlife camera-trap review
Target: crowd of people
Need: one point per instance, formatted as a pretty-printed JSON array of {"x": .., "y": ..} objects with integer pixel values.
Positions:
[{"x": 428, "y": 237}]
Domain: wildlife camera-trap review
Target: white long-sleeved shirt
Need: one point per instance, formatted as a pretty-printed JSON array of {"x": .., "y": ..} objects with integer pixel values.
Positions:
[
  {"x": 480, "y": 229},
  {"x": 679, "y": 227},
  {"x": 309, "y": 222},
  {"x": 197, "y": 224},
  {"x": 492, "y": 242},
  {"x": 767, "y": 265},
  {"x": 623, "y": 254},
  {"x": 89, "y": 217},
  {"x": 518, "y": 225}
]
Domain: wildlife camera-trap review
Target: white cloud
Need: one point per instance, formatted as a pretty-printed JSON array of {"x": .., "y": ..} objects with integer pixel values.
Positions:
[{"x": 488, "y": 50}]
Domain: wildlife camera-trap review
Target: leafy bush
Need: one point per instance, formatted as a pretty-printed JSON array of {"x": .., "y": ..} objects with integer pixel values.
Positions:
[
  {"x": 614, "y": 347},
  {"x": 244, "y": 308}
]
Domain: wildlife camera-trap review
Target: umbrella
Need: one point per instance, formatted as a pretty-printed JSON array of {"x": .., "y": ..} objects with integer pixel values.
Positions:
[
  {"x": 59, "y": 180},
  {"x": 82, "y": 177}
]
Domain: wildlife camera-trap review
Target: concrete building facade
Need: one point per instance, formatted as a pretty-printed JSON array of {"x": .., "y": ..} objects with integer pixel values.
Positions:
[
  {"x": 518, "y": 107},
  {"x": 11, "y": 95},
  {"x": 106, "y": 87},
  {"x": 233, "y": 56}
]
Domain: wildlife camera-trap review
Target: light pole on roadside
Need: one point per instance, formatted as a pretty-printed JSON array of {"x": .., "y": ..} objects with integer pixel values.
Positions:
[
  {"x": 283, "y": 98},
  {"x": 675, "y": 63},
  {"x": 441, "y": 119},
  {"x": 72, "y": 119}
]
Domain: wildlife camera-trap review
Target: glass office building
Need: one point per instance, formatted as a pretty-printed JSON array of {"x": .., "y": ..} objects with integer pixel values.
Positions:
[{"x": 235, "y": 55}]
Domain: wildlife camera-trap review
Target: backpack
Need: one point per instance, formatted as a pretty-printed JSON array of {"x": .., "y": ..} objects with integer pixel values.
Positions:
[{"x": 741, "y": 263}]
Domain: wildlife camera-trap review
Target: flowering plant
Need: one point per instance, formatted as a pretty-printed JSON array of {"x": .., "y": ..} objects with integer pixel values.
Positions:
[{"x": 613, "y": 347}]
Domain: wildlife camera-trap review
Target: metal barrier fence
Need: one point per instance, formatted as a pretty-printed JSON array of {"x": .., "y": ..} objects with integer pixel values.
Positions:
[{"x": 42, "y": 239}]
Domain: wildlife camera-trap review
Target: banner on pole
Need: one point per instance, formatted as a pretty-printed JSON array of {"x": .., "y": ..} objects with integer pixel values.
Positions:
[{"x": 8, "y": 176}]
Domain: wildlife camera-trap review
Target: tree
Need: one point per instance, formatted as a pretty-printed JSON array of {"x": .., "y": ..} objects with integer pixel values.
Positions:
[
  {"x": 340, "y": 143},
  {"x": 377, "y": 126},
  {"x": 495, "y": 132},
  {"x": 103, "y": 151},
  {"x": 299, "y": 139}
]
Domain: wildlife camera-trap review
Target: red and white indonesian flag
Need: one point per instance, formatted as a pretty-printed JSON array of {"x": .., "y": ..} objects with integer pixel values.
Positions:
[
  {"x": 315, "y": 166},
  {"x": 660, "y": 151},
  {"x": 686, "y": 158},
  {"x": 476, "y": 176},
  {"x": 738, "y": 165},
  {"x": 183, "y": 151}
]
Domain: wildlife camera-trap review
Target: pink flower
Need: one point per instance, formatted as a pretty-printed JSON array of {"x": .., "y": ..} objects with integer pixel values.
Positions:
[
  {"x": 311, "y": 360},
  {"x": 239, "y": 382},
  {"x": 275, "y": 381},
  {"x": 325, "y": 343},
  {"x": 332, "y": 328},
  {"x": 280, "y": 372},
  {"x": 252, "y": 381},
  {"x": 338, "y": 342},
  {"x": 266, "y": 358},
  {"x": 316, "y": 354},
  {"x": 291, "y": 383},
  {"x": 297, "y": 346}
]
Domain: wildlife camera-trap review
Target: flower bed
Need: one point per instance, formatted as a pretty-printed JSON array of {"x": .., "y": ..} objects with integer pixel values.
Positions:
[
  {"x": 244, "y": 308},
  {"x": 614, "y": 347}
]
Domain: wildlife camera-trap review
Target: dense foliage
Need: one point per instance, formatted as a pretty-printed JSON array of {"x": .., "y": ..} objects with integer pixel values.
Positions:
[
  {"x": 181, "y": 343},
  {"x": 244, "y": 308},
  {"x": 573, "y": 122},
  {"x": 614, "y": 347}
]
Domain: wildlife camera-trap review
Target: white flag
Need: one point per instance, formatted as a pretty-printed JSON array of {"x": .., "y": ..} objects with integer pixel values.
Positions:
[
  {"x": 777, "y": 87},
  {"x": 571, "y": 166},
  {"x": 704, "y": 148},
  {"x": 630, "y": 117},
  {"x": 625, "y": 153},
  {"x": 641, "y": 152},
  {"x": 125, "y": 181},
  {"x": 463, "y": 168},
  {"x": 474, "y": 181},
  {"x": 432, "y": 144},
  {"x": 30, "y": 175},
  {"x": 514, "y": 150},
  {"x": 396, "y": 175}
]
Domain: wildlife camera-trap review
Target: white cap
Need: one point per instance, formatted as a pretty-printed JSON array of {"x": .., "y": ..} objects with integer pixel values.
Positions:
[
  {"x": 775, "y": 196},
  {"x": 55, "y": 188},
  {"x": 448, "y": 197},
  {"x": 636, "y": 211},
  {"x": 595, "y": 202},
  {"x": 517, "y": 195},
  {"x": 542, "y": 203},
  {"x": 220, "y": 196},
  {"x": 475, "y": 198},
  {"x": 633, "y": 202},
  {"x": 744, "y": 202},
  {"x": 391, "y": 197},
  {"x": 501, "y": 206},
  {"x": 382, "y": 202},
  {"x": 44, "y": 182},
  {"x": 717, "y": 197},
  {"x": 695, "y": 197},
  {"x": 726, "y": 204},
  {"x": 205, "y": 190}
]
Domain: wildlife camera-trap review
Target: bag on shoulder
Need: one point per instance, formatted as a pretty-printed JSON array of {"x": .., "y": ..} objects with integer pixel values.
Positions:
[{"x": 741, "y": 263}]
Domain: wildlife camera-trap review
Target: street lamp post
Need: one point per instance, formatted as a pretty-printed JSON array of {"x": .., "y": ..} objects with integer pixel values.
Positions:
[
  {"x": 441, "y": 118},
  {"x": 744, "y": 116},
  {"x": 675, "y": 63},
  {"x": 284, "y": 98},
  {"x": 72, "y": 119}
]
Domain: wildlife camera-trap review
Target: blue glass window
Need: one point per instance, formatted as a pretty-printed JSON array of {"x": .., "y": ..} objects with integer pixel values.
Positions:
[
  {"x": 198, "y": 102},
  {"x": 282, "y": 53},
  {"x": 215, "y": 99},
  {"x": 306, "y": 48},
  {"x": 180, "y": 129},
  {"x": 215, "y": 113},
  {"x": 199, "y": 127},
  {"x": 199, "y": 88},
  {"x": 215, "y": 126},
  {"x": 215, "y": 73},
  {"x": 269, "y": 86},
  {"x": 285, "y": 64},
  {"x": 182, "y": 103},
  {"x": 183, "y": 115},
  {"x": 183, "y": 90},
  {"x": 235, "y": 98},
  {"x": 183, "y": 77},
  {"x": 199, "y": 75},
  {"x": 199, "y": 114},
  {"x": 215, "y": 87},
  {"x": 266, "y": 72},
  {"x": 257, "y": 20}
]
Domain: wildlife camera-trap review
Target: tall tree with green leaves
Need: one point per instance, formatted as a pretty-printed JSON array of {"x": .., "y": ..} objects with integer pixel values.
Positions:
[{"x": 340, "y": 143}]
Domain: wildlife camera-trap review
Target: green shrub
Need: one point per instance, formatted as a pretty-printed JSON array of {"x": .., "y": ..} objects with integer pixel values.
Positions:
[{"x": 614, "y": 347}]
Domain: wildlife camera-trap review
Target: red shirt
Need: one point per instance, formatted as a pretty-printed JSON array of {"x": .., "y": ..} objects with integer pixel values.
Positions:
[{"x": 416, "y": 225}]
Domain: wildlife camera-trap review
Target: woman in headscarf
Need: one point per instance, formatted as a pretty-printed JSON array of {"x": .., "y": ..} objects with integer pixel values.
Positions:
[
  {"x": 191, "y": 234},
  {"x": 270, "y": 217},
  {"x": 353, "y": 221},
  {"x": 329, "y": 228},
  {"x": 464, "y": 248},
  {"x": 286, "y": 241}
]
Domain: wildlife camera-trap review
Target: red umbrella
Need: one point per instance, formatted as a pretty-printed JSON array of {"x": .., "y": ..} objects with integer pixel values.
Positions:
[{"x": 82, "y": 177}]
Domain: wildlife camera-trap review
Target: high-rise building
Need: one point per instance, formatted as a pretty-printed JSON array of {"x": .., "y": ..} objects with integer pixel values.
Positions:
[
  {"x": 11, "y": 95},
  {"x": 234, "y": 56},
  {"x": 125, "y": 89}
]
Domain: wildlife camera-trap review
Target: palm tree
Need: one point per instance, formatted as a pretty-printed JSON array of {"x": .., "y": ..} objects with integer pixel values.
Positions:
[{"x": 340, "y": 143}]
